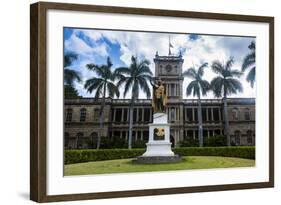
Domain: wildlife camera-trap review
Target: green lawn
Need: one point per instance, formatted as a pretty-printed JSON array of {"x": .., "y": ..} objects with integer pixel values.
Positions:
[{"x": 126, "y": 165}]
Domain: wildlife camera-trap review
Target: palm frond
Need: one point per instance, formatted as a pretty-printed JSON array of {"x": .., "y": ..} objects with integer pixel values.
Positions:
[
  {"x": 229, "y": 63},
  {"x": 251, "y": 77},
  {"x": 191, "y": 73},
  {"x": 96, "y": 68},
  {"x": 201, "y": 69},
  {"x": 70, "y": 76},
  {"x": 217, "y": 67},
  {"x": 233, "y": 86},
  {"x": 217, "y": 86},
  {"x": 93, "y": 83},
  {"x": 128, "y": 84},
  {"x": 205, "y": 86},
  {"x": 99, "y": 90},
  {"x": 235, "y": 73},
  {"x": 248, "y": 61},
  {"x": 112, "y": 90},
  {"x": 69, "y": 58},
  {"x": 144, "y": 86},
  {"x": 122, "y": 71},
  {"x": 193, "y": 88}
]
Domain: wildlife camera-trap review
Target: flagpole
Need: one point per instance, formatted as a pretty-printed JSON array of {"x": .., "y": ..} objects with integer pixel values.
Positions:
[{"x": 169, "y": 46}]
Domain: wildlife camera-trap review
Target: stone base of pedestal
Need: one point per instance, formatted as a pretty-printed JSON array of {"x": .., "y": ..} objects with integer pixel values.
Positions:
[
  {"x": 157, "y": 159},
  {"x": 160, "y": 148}
]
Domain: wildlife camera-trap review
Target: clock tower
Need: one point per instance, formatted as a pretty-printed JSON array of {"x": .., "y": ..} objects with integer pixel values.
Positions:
[{"x": 169, "y": 70}]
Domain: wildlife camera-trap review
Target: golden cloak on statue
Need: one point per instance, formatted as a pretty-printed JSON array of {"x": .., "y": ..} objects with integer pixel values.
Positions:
[{"x": 159, "y": 98}]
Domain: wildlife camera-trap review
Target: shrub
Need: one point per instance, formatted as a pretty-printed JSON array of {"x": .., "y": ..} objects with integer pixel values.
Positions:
[
  {"x": 113, "y": 142},
  {"x": 189, "y": 143},
  {"x": 215, "y": 141},
  {"x": 139, "y": 144},
  {"x": 240, "y": 152},
  {"x": 86, "y": 155}
]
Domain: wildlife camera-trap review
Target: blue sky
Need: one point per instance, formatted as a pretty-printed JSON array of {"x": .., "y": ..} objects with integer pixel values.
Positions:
[{"x": 94, "y": 46}]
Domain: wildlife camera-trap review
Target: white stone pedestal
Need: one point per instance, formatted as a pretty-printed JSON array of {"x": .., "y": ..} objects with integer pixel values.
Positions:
[{"x": 159, "y": 146}]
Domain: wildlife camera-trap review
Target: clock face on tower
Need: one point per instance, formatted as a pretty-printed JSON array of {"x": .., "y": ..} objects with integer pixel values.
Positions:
[{"x": 168, "y": 68}]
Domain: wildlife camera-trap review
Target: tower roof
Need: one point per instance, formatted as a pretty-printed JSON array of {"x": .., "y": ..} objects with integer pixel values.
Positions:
[{"x": 168, "y": 58}]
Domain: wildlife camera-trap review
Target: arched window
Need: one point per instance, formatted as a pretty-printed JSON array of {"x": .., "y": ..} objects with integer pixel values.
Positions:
[
  {"x": 68, "y": 115},
  {"x": 235, "y": 114},
  {"x": 66, "y": 139},
  {"x": 237, "y": 136},
  {"x": 247, "y": 114},
  {"x": 96, "y": 114},
  {"x": 79, "y": 140},
  {"x": 250, "y": 135},
  {"x": 83, "y": 115}
]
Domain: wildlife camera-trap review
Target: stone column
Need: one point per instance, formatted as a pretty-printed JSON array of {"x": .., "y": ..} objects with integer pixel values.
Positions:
[
  {"x": 142, "y": 117},
  {"x": 122, "y": 115},
  {"x": 137, "y": 115},
  {"x": 114, "y": 114},
  {"x": 193, "y": 116}
]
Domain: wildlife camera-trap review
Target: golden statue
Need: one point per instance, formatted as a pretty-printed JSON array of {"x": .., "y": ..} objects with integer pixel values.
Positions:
[{"x": 159, "y": 99}]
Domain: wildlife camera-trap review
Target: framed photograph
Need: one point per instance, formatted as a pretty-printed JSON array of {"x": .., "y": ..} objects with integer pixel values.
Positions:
[{"x": 135, "y": 102}]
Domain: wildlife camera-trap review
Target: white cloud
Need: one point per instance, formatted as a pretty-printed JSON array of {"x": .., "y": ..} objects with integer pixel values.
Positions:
[{"x": 207, "y": 48}]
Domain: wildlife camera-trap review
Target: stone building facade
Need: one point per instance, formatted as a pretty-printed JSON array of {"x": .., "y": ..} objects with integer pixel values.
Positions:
[{"x": 82, "y": 115}]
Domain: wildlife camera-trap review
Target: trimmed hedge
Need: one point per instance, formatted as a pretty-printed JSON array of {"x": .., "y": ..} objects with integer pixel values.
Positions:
[
  {"x": 86, "y": 155},
  {"x": 239, "y": 152},
  {"x": 78, "y": 156}
]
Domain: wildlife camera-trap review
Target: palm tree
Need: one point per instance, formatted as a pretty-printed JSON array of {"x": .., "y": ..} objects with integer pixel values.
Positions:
[
  {"x": 102, "y": 84},
  {"x": 69, "y": 76},
  {"x": 225, "y": 84},
  {"x": 197, "y": 87},
  {"x": 249, "y": 62},
  {"x": 136, "y": 78}
]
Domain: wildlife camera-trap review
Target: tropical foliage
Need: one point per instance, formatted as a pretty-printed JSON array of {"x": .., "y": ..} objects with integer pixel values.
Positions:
[
  {"x": 224, "y": 84},
  {"x": 197, "y": 87},
  {"x": 69, "y": 76},
  {"x": 134, "y": 78},
  {"x": 102, "y": 83},
  {"x": 249, "y": 63}
]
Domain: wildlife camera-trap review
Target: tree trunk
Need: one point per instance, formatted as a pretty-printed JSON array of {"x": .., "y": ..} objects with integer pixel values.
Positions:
[
  {"x": 226, "y": 122},
  {"x": 101, "y": 118},
  {"x": 199, "y": 113},
  {"x": 131, "y": 112}
]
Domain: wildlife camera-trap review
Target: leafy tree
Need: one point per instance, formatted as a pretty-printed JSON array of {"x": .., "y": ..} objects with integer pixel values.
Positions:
[
  {"x": 249, "y": 62},
  {"x": 70, "y": 92},
  {"x": 225, "y": 84},
  {"x": 69, "y": 76},
  {"x": 134, "y": 78},
  {"x": 102, "y": 84},
  {"x": 197, "y": 87},
  {"x": 68, "y": 59}
]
